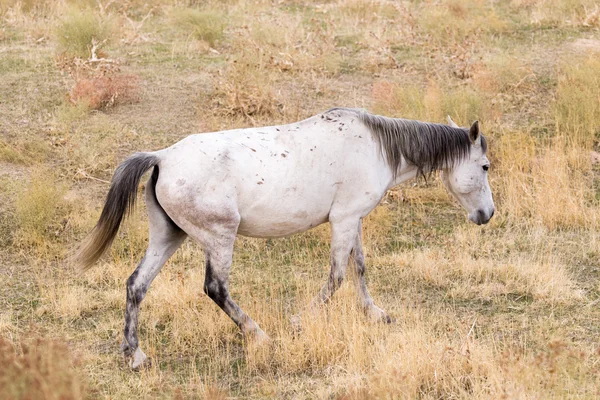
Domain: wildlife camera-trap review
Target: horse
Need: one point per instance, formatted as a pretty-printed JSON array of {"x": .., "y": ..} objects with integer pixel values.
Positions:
[{"x": 276, "y": 181}]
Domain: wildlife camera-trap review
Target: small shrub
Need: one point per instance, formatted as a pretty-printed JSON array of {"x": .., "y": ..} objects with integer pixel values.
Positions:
[
  {"x": 207, "y": 25},
  {"x": 102, "y": 92},
  {"x": 78, "y": 29},
  {"x": 246, "y": 89}
]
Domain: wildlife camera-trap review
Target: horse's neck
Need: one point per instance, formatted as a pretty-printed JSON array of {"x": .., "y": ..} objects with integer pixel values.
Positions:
[{"x": 405, "y": 173}]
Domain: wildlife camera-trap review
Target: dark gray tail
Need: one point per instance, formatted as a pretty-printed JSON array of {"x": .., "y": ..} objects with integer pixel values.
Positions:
[{"x": 120, "y": 201}]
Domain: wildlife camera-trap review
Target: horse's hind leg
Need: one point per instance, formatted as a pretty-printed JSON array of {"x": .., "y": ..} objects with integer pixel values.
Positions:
[
  {"x": 165, "y": 238},
  {"x": 216, "y": 233},
  {"x": 365, "y": 299},
  {"x": 216, "y": 286}
]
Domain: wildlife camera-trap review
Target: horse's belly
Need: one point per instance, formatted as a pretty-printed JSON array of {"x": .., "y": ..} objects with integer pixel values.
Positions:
[{"x": 274, "y": 226}]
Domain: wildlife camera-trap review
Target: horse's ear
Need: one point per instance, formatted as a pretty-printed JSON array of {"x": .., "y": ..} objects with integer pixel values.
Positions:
[
  {"x": 452, "y": 123},
  {"x": 474, "y": 132}
]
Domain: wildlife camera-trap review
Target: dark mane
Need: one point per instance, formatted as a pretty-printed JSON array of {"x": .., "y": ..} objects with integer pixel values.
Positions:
[{"x": 427, "y": 146}]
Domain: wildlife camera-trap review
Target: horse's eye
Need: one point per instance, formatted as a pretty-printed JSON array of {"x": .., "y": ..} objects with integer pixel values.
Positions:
[{"x": 486, "y": 167}]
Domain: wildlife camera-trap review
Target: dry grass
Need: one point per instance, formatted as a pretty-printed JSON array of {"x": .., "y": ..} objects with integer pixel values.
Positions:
[
  {"x": 557, "y": 194},
  {"x": 563, "y": 12},
  {"x": 431, "y": 102},
  {"x": 10, "y": 154},
  {"x": 39, "y": 369},
  {"x": 507, "y": 310},
  {"x": 578, "y": 101}
]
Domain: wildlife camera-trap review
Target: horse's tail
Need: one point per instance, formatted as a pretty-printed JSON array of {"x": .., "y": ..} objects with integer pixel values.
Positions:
[{"x": 119, "y": 202}]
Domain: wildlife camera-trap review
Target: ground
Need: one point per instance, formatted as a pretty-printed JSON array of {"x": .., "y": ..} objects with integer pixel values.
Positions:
[{"x": 506, "y": 310}]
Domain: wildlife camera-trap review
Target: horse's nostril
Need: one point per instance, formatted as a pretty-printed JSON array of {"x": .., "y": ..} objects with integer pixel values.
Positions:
[
  {"x": 492, "y": 214},
  {"x": 480, "y": 216}
]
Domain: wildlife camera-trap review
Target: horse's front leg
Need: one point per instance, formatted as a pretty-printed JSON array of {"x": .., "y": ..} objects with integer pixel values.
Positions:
[
  {"x": 346, "y": 240},
  {"x": 365, "y": 300},
  {"x": 343, "y": 235}
]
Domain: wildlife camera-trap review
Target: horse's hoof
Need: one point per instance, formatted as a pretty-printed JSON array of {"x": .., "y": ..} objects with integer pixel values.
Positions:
[
  {"x": 260, "y": 338},
  {"x": 138, "y": 359},
  {"x": 376, "y": 314},
  {"x": 296, "y": 323}
]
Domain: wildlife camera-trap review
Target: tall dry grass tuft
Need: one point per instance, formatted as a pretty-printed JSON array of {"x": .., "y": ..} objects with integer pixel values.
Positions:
[
  {"x": 39, "y": 207},
  {"x": 334, "y": 336},
  {"x": 549, "y": 185},
  {"x": 207, "y": 24},
  {"x": 39, "y": 369},
  {"x": 432, "y": 103},
  {"x": 78, "y": 29},
  {"x": 24, "y": 151},
  {"x": 577, "y": 109}
]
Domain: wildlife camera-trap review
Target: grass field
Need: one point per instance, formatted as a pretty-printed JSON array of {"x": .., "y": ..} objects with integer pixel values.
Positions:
[{"x": 507, "y": 310}]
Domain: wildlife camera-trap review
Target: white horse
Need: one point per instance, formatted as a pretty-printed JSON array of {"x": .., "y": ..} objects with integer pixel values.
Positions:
[{"x": 277, "y": 181}]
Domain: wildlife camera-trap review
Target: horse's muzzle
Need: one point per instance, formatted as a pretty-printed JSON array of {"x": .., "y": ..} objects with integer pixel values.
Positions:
[{"x": 481, "y": 217}]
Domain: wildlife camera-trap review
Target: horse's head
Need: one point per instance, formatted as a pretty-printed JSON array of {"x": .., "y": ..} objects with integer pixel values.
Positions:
[{"x": 468, "y": 179}]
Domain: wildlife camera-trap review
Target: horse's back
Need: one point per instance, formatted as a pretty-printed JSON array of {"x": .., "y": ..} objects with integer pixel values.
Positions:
[{"x": 280, "y": 179}]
